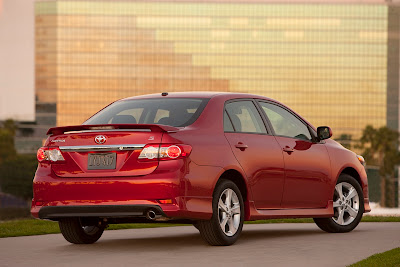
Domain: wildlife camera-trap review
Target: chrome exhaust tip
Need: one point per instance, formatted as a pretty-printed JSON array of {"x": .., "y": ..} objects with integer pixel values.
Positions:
[{"x": 151, "y": 215}]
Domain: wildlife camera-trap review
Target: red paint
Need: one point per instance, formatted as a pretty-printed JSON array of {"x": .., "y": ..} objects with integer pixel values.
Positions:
[{"x": 283, "y": 177}]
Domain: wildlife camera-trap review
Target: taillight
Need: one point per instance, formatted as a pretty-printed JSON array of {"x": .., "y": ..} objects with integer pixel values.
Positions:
[
  {"x": 164, "y": 152},
  {"x": 40, "y": 155},
  {"x": 173, "y": 152},
  {"x": 52, "y": 154}
]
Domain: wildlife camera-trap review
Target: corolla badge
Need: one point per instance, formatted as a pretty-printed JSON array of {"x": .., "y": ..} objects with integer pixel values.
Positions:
[
  {"x": 58, "y": 141},
  {"x": 100, "y": 139}
]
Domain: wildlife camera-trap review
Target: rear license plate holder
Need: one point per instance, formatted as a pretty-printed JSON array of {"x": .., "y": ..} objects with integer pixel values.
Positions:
[{"x": 102, "y": 161}]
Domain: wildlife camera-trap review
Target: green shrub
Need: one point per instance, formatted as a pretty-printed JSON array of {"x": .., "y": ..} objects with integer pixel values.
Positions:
[{"x": 16, "y": 175}]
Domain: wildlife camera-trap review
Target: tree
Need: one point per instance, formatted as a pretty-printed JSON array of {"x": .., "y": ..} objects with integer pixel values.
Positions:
[
  {"x": 17, "y": 174},
  {"x": 345, "y": 140},
  {"x": 7, "y": 133},
  {"x": 381, "y": 149},
  {"x": 16, "y": 171}
]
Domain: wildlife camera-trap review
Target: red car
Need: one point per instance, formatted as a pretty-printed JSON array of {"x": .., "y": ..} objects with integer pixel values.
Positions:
[{"x": 211, "y": 159}]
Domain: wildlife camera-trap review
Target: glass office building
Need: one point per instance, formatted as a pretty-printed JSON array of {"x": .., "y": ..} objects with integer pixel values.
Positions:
[{"x": 336, "y": 64}]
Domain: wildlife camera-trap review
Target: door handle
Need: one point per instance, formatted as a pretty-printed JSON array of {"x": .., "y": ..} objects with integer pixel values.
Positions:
[
  {"x": 288, "y": 149},
  {"x": 241, "y": 146}
]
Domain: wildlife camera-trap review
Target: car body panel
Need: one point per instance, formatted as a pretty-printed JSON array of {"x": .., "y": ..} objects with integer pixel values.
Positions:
[
  {"x": 189, "y": 182},
  {"x": 263, "y": 165},
  {"x": 308, "y": 177}
]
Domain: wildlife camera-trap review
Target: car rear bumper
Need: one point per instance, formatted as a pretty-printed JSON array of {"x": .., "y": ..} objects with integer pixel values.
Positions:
[
  {"x": 182, "y": 208},
  {"x": 171, "y": 189}
]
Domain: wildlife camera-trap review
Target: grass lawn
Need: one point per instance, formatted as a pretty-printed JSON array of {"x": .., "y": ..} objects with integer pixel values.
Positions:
[
  {"x": 28, "y": 227},
  {"x": 388, "y": 258}
]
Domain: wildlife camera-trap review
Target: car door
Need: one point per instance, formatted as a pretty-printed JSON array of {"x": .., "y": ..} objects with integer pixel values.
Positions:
[
  {"x": 258, "y": 152},
  {"x": 307, "y": 163}
]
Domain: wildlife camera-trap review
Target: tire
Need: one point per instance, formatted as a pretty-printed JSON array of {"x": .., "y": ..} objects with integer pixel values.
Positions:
[
  {"x": 196, "y": 225},
  {"x": 347, "y": 213},
  {"x": 230, "y": 212},
  {"x": 75, "y": 233}
]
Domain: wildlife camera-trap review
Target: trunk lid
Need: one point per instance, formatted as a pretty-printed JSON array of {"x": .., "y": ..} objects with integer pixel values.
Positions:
[{"x": 110, "y": 150}]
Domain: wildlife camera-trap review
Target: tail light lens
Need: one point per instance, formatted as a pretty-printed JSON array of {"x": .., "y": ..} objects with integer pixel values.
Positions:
[
  {"x": 52, "y": 154},
  {"x": 164, "y": 152}
]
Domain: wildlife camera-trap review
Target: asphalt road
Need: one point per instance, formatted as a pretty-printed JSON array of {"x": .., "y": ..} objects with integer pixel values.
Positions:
[{"x": 259, "y": 245}]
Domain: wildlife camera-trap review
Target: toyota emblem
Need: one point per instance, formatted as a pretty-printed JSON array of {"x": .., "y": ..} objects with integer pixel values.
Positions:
[{"x": 100, "y": 139}]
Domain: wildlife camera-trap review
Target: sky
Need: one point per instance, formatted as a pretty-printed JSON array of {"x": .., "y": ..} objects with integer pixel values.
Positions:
[{"x": 17, "y": 60}]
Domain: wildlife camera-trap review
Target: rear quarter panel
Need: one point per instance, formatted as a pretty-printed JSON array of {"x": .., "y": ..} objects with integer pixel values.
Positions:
[{"x": 211, "y": 152}]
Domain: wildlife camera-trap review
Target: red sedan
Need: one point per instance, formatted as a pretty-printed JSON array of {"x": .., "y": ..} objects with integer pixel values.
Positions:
[{"x": 211, "y": 159}]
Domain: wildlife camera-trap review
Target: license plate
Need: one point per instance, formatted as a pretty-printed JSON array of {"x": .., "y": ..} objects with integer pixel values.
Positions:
[{"x": 102, "y": 161}]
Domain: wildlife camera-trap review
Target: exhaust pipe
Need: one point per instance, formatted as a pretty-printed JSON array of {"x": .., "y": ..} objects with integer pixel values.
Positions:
[{"x": 152, "y": 215}]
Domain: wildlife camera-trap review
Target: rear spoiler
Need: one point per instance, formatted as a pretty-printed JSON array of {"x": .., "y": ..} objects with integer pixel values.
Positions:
[{"x": 111, "y": 127}]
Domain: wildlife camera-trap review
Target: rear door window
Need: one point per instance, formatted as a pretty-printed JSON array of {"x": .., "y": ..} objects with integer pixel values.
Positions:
[{"x": 245, "y": 117}]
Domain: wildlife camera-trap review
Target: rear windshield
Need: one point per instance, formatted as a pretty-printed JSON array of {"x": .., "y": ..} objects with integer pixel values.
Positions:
[{"x": 178, "y": 112}]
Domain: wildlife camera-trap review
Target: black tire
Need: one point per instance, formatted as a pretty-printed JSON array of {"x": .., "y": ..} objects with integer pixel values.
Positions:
[
  {"x": 75, "y": 233},
  {"x": 196, "y": 225},
  {"x": 329, "y": 224},
  {"x": 211, "y": 230}
]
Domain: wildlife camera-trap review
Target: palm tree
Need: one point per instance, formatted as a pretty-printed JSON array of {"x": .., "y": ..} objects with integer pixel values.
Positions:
[{"x": 381, "y": 149}]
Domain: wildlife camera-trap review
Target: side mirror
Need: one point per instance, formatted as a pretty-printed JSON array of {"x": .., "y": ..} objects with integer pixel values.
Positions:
[{"x": 324, "y": 132}]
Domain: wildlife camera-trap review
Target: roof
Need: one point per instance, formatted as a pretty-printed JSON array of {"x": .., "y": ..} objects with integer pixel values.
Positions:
[{"x": 196, "y": 94}]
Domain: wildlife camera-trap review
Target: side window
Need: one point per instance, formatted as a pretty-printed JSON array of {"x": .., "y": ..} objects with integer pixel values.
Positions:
[
  {"x": 228, "y": 127},
  {"x": 285, "y": 123},
  {"x": 245, "y": 117}
]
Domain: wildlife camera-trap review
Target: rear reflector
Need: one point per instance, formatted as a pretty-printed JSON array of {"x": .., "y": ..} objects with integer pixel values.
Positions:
[
  {"x": 164, "y": 152},
  {"x": 165, "y": 201},
  {"x": 52, "y": 154}
]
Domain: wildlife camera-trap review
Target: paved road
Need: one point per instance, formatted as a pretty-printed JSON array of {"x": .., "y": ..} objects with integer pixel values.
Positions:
[{"x": 259, "y": 245}]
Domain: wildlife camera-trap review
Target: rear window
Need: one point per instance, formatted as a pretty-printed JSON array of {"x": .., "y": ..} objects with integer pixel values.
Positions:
[{"x": 177, "y": 112}]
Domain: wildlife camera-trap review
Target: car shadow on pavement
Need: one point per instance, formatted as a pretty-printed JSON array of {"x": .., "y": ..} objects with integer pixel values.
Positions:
[
  {"x": 173, "y": 241},
  {"x": 250, "y": 235}
]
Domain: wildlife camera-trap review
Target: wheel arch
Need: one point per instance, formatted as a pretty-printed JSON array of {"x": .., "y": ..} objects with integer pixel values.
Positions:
[
  {"x": 353, "y": 173},
  {"x": 237, "y": 178},
  {"x": 361, "y": 177}
]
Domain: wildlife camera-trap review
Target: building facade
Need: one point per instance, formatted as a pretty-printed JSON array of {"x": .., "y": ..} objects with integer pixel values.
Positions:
[{"x": 334, "y": 62}]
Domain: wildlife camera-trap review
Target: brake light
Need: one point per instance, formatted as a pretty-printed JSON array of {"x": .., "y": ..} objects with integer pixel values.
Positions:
[
  {"x": 173, "y": 152},
  {"x": 52, "y": 154},
  {"x": 164, "y": 152},
  {"x": 40, "y": 155}
]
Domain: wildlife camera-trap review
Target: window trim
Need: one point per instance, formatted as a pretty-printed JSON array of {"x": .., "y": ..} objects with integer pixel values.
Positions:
[
  {"x": 266, "y": 126},
  {"x": 230, "y": 120},
  {"x": 314, "y": 139}
]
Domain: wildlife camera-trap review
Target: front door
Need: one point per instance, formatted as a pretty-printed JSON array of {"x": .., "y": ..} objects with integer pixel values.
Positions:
[
  {"x": 258, "y": 153},
  {"x": 307, "y": 163}
]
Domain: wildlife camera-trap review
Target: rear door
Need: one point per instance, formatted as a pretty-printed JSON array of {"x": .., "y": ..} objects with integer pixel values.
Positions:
[
  {"x": 307, "y": 163},
  {"x": 257, "y": 152}
]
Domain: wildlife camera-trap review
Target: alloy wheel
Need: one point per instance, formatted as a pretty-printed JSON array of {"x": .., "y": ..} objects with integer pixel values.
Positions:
[
  {"x": 346, "y": 203},
  {"x": 229, "y": 212}
]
